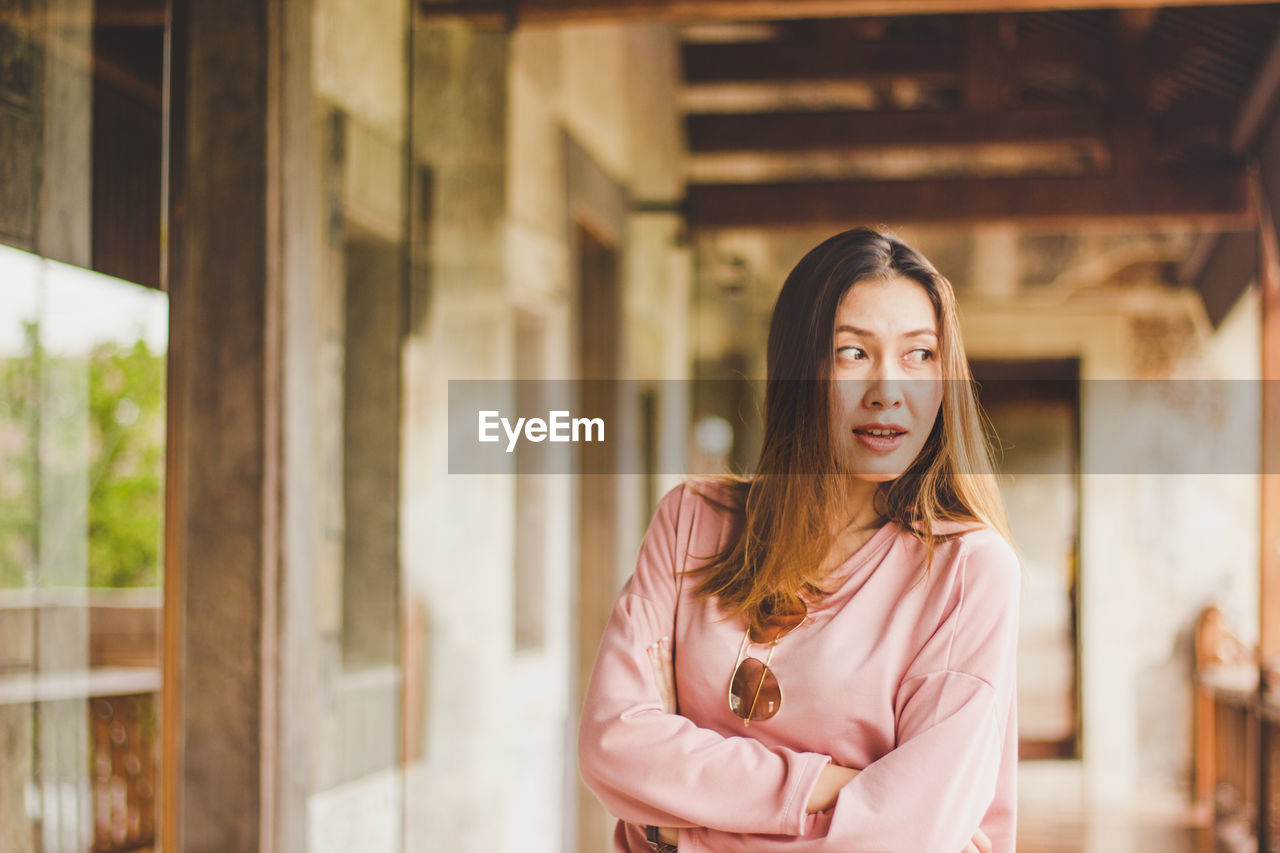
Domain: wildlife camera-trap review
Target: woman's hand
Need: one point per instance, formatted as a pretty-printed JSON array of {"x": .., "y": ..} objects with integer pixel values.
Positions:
[
  {"x": 978, "y": 844},
  {"x": 830, "y": 781},
  {"x": 663, "y": 666},
  {"x": 834, "y": 777},
  {"x": 664, "y": 672}
]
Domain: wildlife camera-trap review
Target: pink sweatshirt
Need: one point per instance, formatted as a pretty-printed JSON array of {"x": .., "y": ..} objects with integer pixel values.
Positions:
[{"x": 913, "y": 686}]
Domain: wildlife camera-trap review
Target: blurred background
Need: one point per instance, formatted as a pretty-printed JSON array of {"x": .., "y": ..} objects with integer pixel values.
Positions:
[{"x": 245, "y": 245}]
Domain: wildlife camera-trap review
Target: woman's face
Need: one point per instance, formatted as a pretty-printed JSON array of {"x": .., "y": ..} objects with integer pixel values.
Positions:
[{"x": 886, "y": 372}]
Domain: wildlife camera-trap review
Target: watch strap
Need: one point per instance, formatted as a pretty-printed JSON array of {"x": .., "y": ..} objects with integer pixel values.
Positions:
[{"x": 651, "y": 835}]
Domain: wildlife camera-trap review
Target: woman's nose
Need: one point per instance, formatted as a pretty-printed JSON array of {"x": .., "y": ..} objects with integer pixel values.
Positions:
[{"x": 884, "y": 390}]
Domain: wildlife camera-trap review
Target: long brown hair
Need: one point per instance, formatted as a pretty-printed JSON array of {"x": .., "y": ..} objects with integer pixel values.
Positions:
[{"x": 783, "y": 512}]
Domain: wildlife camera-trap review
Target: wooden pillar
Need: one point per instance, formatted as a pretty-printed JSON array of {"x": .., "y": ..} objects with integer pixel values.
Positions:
[
  {"x": 1269, "y": 569},
  {"x": 1129, "y": 132},
  {"x": 1269, "y": 279},
  {"x": 222, "y": 544},
  {"x": 245, "y": 223}
]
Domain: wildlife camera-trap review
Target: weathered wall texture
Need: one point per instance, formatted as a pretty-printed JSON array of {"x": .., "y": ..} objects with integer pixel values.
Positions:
[
  {"x": 1155, "y": 547},
  {"x": 355, "y": 165},
  {"x": 493, "y": 297}
]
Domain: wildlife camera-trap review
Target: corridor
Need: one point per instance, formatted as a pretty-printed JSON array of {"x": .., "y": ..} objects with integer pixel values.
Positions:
[{"x": 261, "y": 588}]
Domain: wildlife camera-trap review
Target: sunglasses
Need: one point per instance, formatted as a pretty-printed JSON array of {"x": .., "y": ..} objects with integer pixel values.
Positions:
[{"x": 754, "y": 692}]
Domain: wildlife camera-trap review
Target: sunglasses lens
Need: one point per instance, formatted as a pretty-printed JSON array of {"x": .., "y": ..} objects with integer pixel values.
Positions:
[{"x": 754, "y": 693}]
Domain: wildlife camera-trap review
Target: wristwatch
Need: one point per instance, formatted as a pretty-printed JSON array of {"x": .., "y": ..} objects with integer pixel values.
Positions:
[{"x": 651, "y": 835}]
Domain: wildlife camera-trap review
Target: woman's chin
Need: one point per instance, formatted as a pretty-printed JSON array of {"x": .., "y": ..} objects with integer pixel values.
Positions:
[{"x": 870, "y": 473}]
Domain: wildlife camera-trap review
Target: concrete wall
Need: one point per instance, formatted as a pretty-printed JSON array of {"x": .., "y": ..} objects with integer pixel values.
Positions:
[
  {"x": 358, "y": 71},
  {"x": 1155, "y": 548},
  {"x": 493, "y": 116}
]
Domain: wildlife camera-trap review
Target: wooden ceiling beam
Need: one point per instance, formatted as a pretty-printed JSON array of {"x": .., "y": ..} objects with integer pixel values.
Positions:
[
  {"x": 976, "y": 60},
  {"x": 984, "y": 63},
  {"x": 805, "y": 130},
  {"x": 774, "y": 61},
  {"x": 563, "y": 11},
  {"x": 1259, "y": 104},
  {"x": 1130, "y": 135},
  {"x": 1204, "y": 201}
]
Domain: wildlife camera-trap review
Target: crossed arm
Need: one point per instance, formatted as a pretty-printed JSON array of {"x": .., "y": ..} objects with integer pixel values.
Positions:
[
  {"x": 830, "y": 782},
  {"x": 734, "y": 794}
]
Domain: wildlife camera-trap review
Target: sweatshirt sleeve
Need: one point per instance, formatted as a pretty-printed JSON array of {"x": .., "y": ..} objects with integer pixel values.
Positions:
[
  {"x": 934, "y": 789},
  {"x": 651, "y": 767}
]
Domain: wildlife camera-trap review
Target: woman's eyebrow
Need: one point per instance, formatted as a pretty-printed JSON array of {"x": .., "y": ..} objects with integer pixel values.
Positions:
[{"x": 914, "y": 333}]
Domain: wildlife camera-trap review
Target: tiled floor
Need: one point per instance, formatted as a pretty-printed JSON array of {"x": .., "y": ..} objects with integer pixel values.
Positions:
[{"x": 1053, "y": 819}]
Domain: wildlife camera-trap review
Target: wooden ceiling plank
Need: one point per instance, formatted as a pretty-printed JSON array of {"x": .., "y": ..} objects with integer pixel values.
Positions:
[
  {"x": 984, "y": 63},
  {"x": 1209, "y": 201},
  {"x": 561, "y": 11},
  {"x": 798, "y": 130},
  {"x": 1130, "y": 134},
  {"x": 1258, "y": 105}
]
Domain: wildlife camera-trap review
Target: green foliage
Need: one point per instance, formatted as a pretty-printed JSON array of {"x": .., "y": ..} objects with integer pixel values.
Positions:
[
  {"x": 126, "y": 434},
  {"x": 126, "y": 473},
  {"x": 18, "y": 497}
]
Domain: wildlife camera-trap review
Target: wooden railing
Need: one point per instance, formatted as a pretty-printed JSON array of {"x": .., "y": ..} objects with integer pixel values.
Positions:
[
  {"x": 1237, "y": 751},
  {"x": 123, "y": 775},
  {"x": 91, "y": 713},
  {"x": 1270, "y": 818}
]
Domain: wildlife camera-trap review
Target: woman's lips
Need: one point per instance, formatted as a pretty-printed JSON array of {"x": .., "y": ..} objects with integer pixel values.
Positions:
[{"x": 880, "y": 443}]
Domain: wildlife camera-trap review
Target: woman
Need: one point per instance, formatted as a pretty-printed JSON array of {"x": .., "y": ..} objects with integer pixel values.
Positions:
[{"x": 844, "y": 622}]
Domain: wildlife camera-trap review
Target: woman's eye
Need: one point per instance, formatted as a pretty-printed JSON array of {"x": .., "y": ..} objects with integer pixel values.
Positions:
[
  {"x": 921, "y": 354},
  {"x": 851, "y": 353}
]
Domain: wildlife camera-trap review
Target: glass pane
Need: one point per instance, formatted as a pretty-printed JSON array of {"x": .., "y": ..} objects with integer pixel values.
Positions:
[
  {"x": 82, "y": 439},
  {"x": 82, "y": 423}
]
